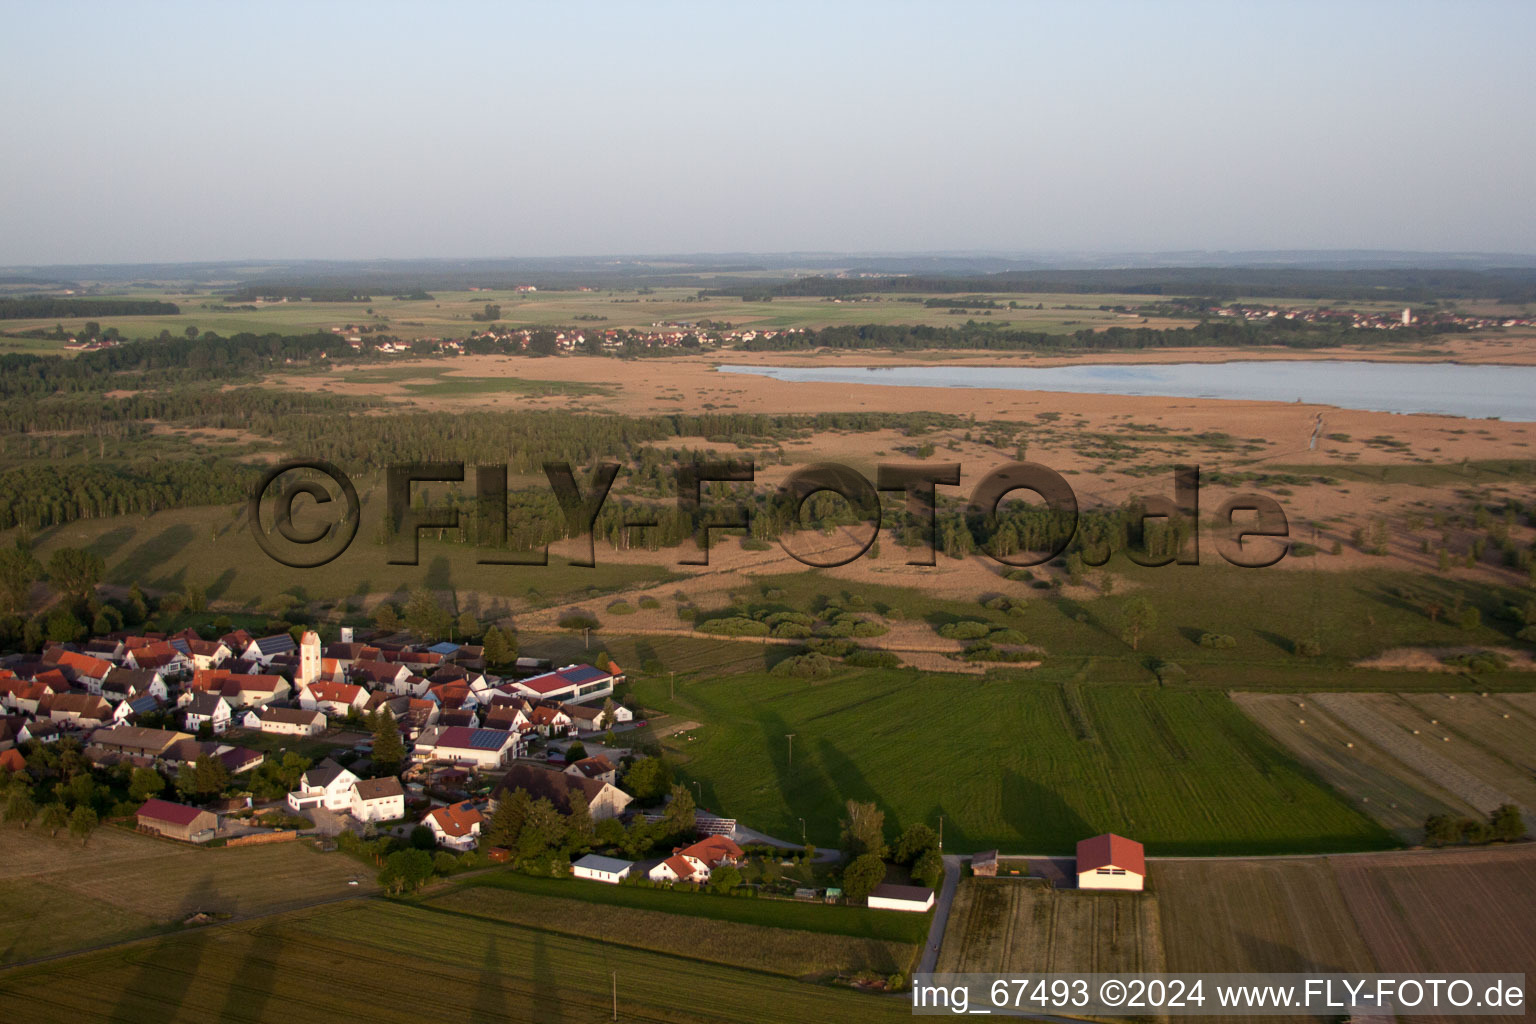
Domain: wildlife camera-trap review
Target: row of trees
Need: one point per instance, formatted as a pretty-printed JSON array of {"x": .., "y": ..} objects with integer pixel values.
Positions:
[{"x": 866, "y": 851}]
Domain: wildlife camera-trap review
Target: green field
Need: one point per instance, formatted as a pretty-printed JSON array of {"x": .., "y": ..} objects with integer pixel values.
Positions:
[
  {"x": 388, "y": 962},
  {"x": 1025, "y": 765},
  {"x": 859, "y": 922}
]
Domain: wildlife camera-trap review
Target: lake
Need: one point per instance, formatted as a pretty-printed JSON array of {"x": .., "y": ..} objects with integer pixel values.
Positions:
[{"x": 1450, "y": 389}]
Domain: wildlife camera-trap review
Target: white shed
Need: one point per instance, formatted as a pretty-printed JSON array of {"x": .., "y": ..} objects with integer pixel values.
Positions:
[
  {"x": 914, "y": 898},
  {"x": 602, "y": 869}
]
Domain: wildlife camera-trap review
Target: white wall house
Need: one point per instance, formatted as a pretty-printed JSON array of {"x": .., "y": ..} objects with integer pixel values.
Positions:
[
  {"x": 327, "y": 785},
  {"x": 602, "y": 869},
  {"x": 913, "y": 898},
  {"x": 378, "y": 799},
  {"x": 285, "y": 721}
]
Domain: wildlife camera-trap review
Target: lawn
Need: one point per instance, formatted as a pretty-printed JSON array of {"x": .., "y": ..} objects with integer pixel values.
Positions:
[
  {"x": 860, "y": 922},
  {"x": 413, "y": 965},
  {"x": 1022, "y": 763}
]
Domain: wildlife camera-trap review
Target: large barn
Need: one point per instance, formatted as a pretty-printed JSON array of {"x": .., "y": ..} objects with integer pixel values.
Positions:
[{"x": 1111, "y": 862}]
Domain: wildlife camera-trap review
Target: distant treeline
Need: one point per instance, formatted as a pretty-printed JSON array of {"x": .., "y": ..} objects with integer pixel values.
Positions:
[
  {"x": 36, "y": 307},
  {"x": 972, "y": 335},
  {"x": 1514, "y": 285}
]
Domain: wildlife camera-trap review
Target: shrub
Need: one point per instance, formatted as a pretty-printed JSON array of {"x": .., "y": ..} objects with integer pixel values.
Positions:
[
  {"x": 649, "y": 602},
  {"x": 1006, "y": 635},
  {"x": 1217, "y": 641},
  {"x": 791, "y": 631},
  {"x": 577, "y": 618},
  {"x": 833, "y": 648},
  {"x": 1479, "y": 661},
  {"x": 804, "y": 666},
  {"x": 621, "y": 608},
  {"x": 965, "y": 629},
  {"x": 733, "y": 625},
  {"x": 1309, "y": 647}
]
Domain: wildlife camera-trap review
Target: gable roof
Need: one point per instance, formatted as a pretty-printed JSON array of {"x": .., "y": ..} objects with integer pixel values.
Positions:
[
  {"x": 164, "y": 810},
  {"x": 11, "y": 760},
  {"x": 914, "y": 893},
  {"x": 289, "y": 716},
  {"x": 457, "y": 820},
  {"x": 550, "y": 783},
  {"x": 339, "y": 693},
  {"x": 593, "y": 766},
  {"x": 83, "y": 665},
  {"x": 1110, "y": 850},
  {"x": 680, "y": 865},
  {"x": 379, "y": 789},
  {"x": 277, "y": 643}
]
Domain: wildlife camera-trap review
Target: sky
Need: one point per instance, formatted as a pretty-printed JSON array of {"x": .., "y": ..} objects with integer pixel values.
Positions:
[{"x": 168, "y": 132}]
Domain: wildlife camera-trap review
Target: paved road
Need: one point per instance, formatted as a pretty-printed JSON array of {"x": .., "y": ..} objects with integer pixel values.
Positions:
[{"x": 930, "y": 960}]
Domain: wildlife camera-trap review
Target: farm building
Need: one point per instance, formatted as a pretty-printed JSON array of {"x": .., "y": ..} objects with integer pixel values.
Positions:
[
  {"x": 130, "y": 739},
  {"x": 914, "y": 898},
  {"x": 483, "y": 748},
  {"x": 1111, "y": 862},
  {"x": 984, "y": 865},
  {"x": 285, "y": 721},
  {"x": 177, "y": 821},
  {"x": 602, "y": 869},
  {"x": 575, "y": 684}
]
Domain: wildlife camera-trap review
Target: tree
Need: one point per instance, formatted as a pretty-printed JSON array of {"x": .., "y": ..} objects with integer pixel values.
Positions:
[
  {"x": 1138, "y": 619},
  {"x": 63, "y": 627},
  {"x": 917, "y": 840},
  {"x": 724, "y": 878},
  {"x": 579, "y": 828},
  {"x": 19, "y": 808},
  {"x": 424, "y": 616},
  {"x": 929, "y": 867},
  {"x": 679, "y": 817},
  {"x": 864, "y": 831},
  {"x": 1505, "y": 823},
  {"x": 575, "y": 751},
  {"x": 406, "y": 869},
  {"x": 506, "y": 823},
  {"x": 385, "y": 618},
  {"x": 18, "y": 571},
  {"x": 388, "y": 747},
  {"x": 467, "y": 626},
  {"x": 207, "y": 777},
  {"x": 862, "y": 876},
  {"x": 82, "y": 822},
  {"x": 422, "y": 838},
  {"x": 75, "y": 572},
  {"x": 543, "y": 830},
  {"x": 499, "y": 648},
  {"x": 55, "y": 816},
  {"x": 649, "y": 778}
]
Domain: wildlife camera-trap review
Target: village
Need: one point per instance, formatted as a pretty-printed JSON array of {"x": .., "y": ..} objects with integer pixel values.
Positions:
[{"x": 474, "y": 760}]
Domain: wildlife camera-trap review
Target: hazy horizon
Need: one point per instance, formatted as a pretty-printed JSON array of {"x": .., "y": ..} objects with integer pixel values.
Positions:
[{"x": 183, "y": 133}]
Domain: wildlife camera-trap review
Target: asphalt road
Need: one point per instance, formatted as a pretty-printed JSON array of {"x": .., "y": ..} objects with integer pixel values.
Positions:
[{"x": 930, "y": 959}]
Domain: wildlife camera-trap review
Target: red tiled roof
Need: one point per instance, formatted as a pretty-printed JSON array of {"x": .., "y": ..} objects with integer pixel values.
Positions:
[
  {"x": 341, "y": 693},
  {"x": 1110, "y": 850},
  {"x": 680, "y": 866},
  {"x": 458, "y": 819},
  {"x": 84, "y": 664}
]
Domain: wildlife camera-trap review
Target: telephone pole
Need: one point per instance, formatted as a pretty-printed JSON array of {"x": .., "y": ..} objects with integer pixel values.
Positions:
[
  {"x": 790, "y": 759},
  {"x": 672, "y": 687},
  {"x": 615, "y": 995}
]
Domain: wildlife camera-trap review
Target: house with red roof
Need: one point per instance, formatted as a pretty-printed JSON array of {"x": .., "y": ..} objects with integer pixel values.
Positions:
[
  {"x": 335, "y": 699},
  {"x": 1111, "y": 862},
  {"x": 456, "y": 826},
  {"x": 86, "y": 671},
  {"x": 177, "y": 821}
]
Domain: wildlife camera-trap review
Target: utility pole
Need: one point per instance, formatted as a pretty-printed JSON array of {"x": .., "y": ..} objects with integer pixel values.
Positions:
[
  {"x": 672, "y": 687},
  {"x": 790, "y": 759},
  {"x": 586, "y": 638},
  {"x": 941, "y": 831},
  {"x": 802, "y": 830},
  {"x": 615, "y": 995}
]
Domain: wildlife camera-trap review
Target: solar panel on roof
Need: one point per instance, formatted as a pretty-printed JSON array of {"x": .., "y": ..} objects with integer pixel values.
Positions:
[
  {"x": 487, "y": 739},
  {"x": 583, "y": 674}
]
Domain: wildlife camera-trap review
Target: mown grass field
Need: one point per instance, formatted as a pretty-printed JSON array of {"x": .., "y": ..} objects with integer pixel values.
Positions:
[
  {"x": 794, "y": 953},
  {"x": 390, "y": 962},
  {"x": 1016, "y": 762},
  {"x": 59, "y": 895},
  {"x": 859, "y": 922}
]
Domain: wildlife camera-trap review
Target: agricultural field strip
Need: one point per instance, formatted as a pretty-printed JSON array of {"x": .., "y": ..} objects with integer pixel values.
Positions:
[
  {"x": 1401, "y": 744},
  {"x": 285, "y": 969},
  {"x": 1471, "y": 750}
]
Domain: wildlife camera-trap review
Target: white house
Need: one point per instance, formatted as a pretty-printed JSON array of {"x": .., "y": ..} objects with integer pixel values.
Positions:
[
  {"x": 914, "y": 898},
  {"x": 602, "y": 869},
  {"x": 208, "y": 709},
  {"x": 332, "y": 698},
  {"x": 576, "y": 684},
  {"x": 456, "y": 826},
  {"x": 678, "y": 868},
  {"x": 483, "y": 748},
  {"x": 1111, "y": 862},
  {"x": 327, "y": 785},
  {"x": 285, "y": 721},
  {"x": 378, "y": 799}
]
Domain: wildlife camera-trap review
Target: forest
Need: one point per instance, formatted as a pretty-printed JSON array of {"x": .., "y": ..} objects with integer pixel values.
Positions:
[{"x": 32, "y": 307}]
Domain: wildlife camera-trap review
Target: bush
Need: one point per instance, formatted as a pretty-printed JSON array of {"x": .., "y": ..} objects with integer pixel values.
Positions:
[
  {"x": 1005, "y": 635},
  {"x": 576, "y": 618},
  {"x": 1479, "y": 661},
  {"x": 791, "y": 631},
  {"x": 1309, "y": 647},
  {"x": 833, "y": 648},
  {"x": 1217, "y": 641},
  {"x": 621, "y": 608},
  {"x": 649, "y": 602},
  {"x": 965, "y": 629},
  {"x": 804, "y": 666},
  {"x": 733, "y": 625}
]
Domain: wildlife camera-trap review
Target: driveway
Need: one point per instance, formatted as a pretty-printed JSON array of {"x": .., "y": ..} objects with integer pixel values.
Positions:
[{"x": 930, "y": 959}]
